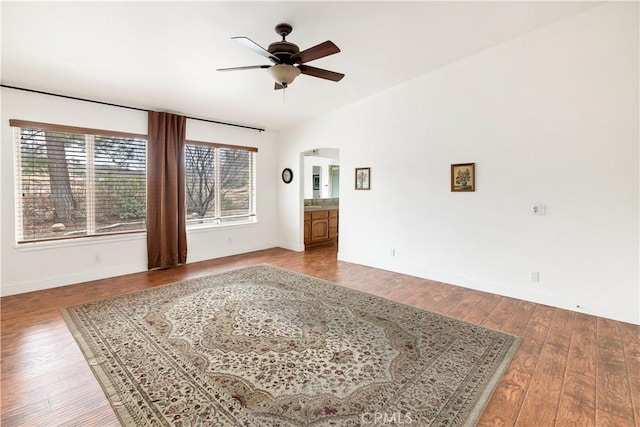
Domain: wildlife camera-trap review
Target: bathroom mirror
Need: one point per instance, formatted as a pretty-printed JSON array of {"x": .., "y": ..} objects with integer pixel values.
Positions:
[{"x": 321, "y": 174}]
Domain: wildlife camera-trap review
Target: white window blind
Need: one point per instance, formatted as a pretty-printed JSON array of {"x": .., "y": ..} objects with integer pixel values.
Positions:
[
  {"x": 74, "y": 182},
  {"x": 220, "y": 183}
]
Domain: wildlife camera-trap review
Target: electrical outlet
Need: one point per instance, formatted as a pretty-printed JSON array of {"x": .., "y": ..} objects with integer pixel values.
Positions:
[
  {"x": 539, "y": 209},
  {"x": 393, "y": 252},
  {"x": 97, "y": 259},
  {"x": 534, "y": 276}
]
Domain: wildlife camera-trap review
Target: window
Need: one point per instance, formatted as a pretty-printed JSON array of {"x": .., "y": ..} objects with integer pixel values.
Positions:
[
  {"x": 73, "y": 182},
  {"x": 220, "y": 183}
]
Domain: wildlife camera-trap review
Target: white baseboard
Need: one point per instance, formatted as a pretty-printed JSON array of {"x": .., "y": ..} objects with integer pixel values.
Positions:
[
  {"x": 56, "y": 282},
  {"x": 71, "y": 279},
  {"x": 596, "y": 308},
  {"x": 297, "y": 247},
  {"x": 221, "y": 253},
  {"x": 589, "y": 307}
]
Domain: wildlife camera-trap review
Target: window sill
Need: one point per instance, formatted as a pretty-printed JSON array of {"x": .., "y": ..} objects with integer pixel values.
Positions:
[
  {"x": 95, "y": 240},
  {"x": 80, "y": 241}
]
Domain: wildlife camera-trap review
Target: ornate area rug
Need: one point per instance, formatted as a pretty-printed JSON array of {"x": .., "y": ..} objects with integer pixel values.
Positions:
[{"x": 262, "y": 346}]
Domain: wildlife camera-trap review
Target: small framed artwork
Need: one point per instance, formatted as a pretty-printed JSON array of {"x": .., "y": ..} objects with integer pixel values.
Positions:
[
  {"x": 316, "y": 182},
  {"x": 363, "y": 178},
  {"x": 463, "y": 177}
]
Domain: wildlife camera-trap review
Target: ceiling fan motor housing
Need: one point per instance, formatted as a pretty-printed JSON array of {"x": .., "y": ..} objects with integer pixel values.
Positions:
[{"x": 283, "y": 50}]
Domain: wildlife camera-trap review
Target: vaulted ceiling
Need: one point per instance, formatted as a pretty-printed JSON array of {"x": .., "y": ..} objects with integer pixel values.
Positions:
[{"x": 164, "y": 55}]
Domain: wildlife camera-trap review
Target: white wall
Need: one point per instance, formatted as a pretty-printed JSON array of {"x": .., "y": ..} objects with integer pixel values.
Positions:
[
  {"x": 551, "y": 117},
  {"x": 35, "y": 266}
]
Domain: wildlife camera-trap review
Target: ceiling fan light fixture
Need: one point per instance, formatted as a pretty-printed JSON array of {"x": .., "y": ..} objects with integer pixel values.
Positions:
[{"x": 284, "y": 74}]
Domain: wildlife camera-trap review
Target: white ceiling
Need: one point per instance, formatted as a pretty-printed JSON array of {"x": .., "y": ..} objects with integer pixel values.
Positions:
[{"x": 164, "y": 55}]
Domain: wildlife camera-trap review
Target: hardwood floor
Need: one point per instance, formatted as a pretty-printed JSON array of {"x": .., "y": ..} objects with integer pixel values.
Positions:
[{"x": 571, "y": 369}]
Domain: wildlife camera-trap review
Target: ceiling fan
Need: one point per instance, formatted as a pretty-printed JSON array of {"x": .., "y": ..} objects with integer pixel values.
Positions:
[{"x": 288, "y": 61}]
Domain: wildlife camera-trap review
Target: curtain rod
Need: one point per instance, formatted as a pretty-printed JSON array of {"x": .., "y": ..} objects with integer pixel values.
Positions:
[{"x": 124, "y": 106}]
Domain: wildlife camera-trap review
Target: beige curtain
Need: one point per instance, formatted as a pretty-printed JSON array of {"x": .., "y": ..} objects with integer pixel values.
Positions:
[{"x": 166, "y": 227}]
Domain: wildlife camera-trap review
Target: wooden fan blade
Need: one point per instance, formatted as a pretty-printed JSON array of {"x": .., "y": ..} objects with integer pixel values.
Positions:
[
  {"x": 247, "y": 42},
  {"x": 318, "y": 51},
  {"x": 321, "y": 73},
  {"x": 248, "y": 67},
  {"x": 278, "y": 86}
]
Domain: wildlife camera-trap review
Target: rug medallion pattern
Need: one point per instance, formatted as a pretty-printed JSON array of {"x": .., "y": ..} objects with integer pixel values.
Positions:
[{"x": 262, "y": 346}]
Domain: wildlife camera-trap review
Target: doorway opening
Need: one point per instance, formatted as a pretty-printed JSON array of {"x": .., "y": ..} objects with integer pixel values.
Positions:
[{"x": 321, "y": 189}]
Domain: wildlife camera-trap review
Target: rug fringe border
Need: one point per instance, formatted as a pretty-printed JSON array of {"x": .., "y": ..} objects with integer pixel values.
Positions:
[{"x": 98, "y": 372}]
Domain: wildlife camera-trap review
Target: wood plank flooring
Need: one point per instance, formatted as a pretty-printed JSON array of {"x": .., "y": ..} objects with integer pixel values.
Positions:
[{"x": 570, "y": 370}]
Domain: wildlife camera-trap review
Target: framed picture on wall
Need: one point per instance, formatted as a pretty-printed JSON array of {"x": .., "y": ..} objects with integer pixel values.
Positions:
[
  {"x": 463, "y": 177},
  {"x": 363, "y": 178},
  {"x": 316, "y": 182}
]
